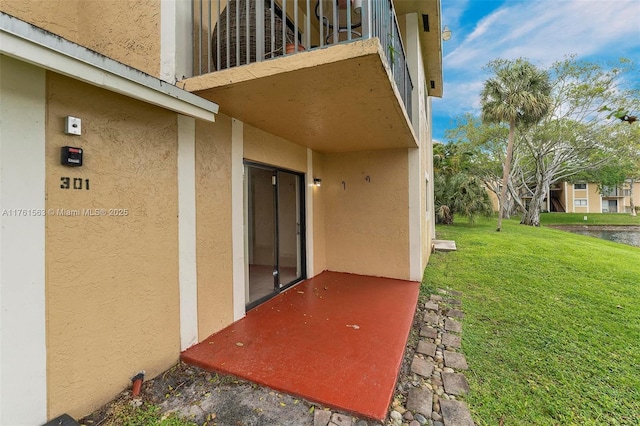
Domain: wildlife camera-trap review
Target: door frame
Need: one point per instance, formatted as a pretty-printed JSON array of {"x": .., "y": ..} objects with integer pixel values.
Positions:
[{"x": 277, "y": 289}]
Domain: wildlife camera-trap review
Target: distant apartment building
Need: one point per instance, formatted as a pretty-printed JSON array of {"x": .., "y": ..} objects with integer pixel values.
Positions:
[{"x": 586, "y": 197}]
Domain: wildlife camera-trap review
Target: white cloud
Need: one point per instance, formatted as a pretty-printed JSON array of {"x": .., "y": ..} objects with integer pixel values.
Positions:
[
  {"x": 486, "y": 26},
  {"x": 452, "y": 11},
  {"x": 467, "y": 96},
  {"x": 546, "y": 31},
  {"x": 542, "y": 31}
]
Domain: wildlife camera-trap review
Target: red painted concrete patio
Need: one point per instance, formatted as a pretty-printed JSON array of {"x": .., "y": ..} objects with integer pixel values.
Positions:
[{"x": 337, "y": 340}]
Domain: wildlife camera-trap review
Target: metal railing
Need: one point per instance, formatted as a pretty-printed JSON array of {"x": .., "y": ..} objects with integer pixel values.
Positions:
[
  {"x": 608, "y": 191},
  {"x": 229, "y": 33}
]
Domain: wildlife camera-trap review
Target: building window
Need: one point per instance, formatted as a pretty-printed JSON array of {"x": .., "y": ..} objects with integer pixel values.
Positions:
[
  {"x": 580, "y": 186},
  {"x": 580, "y": 202}
]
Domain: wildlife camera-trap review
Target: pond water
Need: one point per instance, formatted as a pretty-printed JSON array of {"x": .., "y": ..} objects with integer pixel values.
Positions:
[{"x": 620, "y": 234}]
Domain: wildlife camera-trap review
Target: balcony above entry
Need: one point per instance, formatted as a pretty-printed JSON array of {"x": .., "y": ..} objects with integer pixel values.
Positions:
[
  {"x": 246, "y": 31},
  {"x": 331, "y": 75},
  {"x": 230, "y": 33}
]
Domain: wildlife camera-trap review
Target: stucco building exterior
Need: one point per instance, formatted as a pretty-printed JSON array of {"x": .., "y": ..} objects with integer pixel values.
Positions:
[
  {"x": 202, "y": 191},
  {"x": 586, "y": 197}
]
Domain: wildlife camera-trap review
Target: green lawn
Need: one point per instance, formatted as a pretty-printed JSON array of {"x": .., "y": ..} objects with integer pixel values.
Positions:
[
  {"x": 592, "y": 219},
  {"x": 552, "y": 325}
]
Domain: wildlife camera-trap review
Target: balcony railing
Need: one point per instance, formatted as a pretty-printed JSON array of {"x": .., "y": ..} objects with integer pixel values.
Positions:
[
  {"x": 229, "y": 33},
  {"x": 612, "y": 192}
]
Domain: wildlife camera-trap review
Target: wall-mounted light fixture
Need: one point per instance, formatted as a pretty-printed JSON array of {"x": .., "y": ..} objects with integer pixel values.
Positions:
[
  {"x": 446, "y": 33},
  {"x": 317, "y": 181}
]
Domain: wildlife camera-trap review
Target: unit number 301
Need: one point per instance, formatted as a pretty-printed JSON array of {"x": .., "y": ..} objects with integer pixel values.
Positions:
[{"x": 75, "y": 183}]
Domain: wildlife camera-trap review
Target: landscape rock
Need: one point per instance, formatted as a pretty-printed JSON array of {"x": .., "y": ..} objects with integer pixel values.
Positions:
[
  {"x": 455, "y": 360},
  {"x": 455, "y": 383},
  {"x": 456, "y": 413},
  {"x": 341, "y": 419},
  {"x": 431, "y": 306},
  {"x": 456, "y": 313},
  {"x": 420, "y": 401},
  {"x": 431, "y": 318},
  {"x": 452, "y": 325},
  {"x": 428, "y": 332},
  {"x": 422, "y": 367},
  {"x": 426, "y": 348},
  {"x": 452, "y": 340},
  {"x": 422, "y": 420},
  {"x": 321, "y": 417}
]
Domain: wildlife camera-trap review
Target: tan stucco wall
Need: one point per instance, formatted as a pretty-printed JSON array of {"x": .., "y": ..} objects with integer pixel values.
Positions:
[
  {"x": 263, "y": 147},
  {"x": 361, "y": 230},
  {"x": 577, "y": 194},
  {"x": 495, "y": 202},
  {"x": 319, "y": 216},
  {"x": 569, "y": 198},
  {"x": 426, "y": 170},
  {"x": 366, "y": 223},
  {"x": 111, "y": 281},
  {"x": 595, "y": 200},
  {"x": 125, "y": 30},
  {"x": 213, "y": 226},
  {"x": 426, "y": 211}
]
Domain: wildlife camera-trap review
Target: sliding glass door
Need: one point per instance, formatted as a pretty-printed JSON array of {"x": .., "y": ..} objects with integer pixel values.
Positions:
[{"x": 275, "y": 224}]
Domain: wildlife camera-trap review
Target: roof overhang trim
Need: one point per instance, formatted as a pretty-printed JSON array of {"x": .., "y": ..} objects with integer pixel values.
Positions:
[{"x": 26, "y": 42}]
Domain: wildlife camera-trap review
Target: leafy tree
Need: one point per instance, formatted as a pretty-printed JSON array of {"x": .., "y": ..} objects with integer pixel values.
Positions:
[
  {"x": 487, "y": 143},
  {"x": 518, "y": 94},
  {"x": 456, "y": 190},
  {"x": 626, "y": 164},
  {"x": 628, "y": 167},
  {"x": 621, "y": 114},
  {"x": 633, "y": 149},
  {"x": 461, "y": 194},
  {"x": 575, "y": 137},
  {"x": 579, "y": 138}
]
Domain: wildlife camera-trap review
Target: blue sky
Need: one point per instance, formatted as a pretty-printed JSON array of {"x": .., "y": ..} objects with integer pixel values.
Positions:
[{"x": 542, "y": 31}]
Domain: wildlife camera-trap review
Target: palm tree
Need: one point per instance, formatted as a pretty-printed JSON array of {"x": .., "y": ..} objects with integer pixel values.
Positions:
[
  {"x": 518, "y": 94},
  {"x": 457, "y": 191}
]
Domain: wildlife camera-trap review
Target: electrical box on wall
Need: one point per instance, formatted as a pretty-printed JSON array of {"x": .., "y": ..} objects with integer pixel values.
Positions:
[
  {"x": 70, "y": 156},
  {"x": 72, "y": 125}
]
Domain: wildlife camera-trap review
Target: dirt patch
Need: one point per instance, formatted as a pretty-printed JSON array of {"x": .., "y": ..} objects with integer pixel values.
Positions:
[{"x": 207, "y": 398}]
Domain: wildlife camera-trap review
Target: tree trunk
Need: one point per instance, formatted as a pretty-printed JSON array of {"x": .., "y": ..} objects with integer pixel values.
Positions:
[
  {"x": 508, "y": 207},
  {"x": 532, "y": 215},
  {"x": 633, "y": 206},
  {"x": 505, "y": 173}
]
